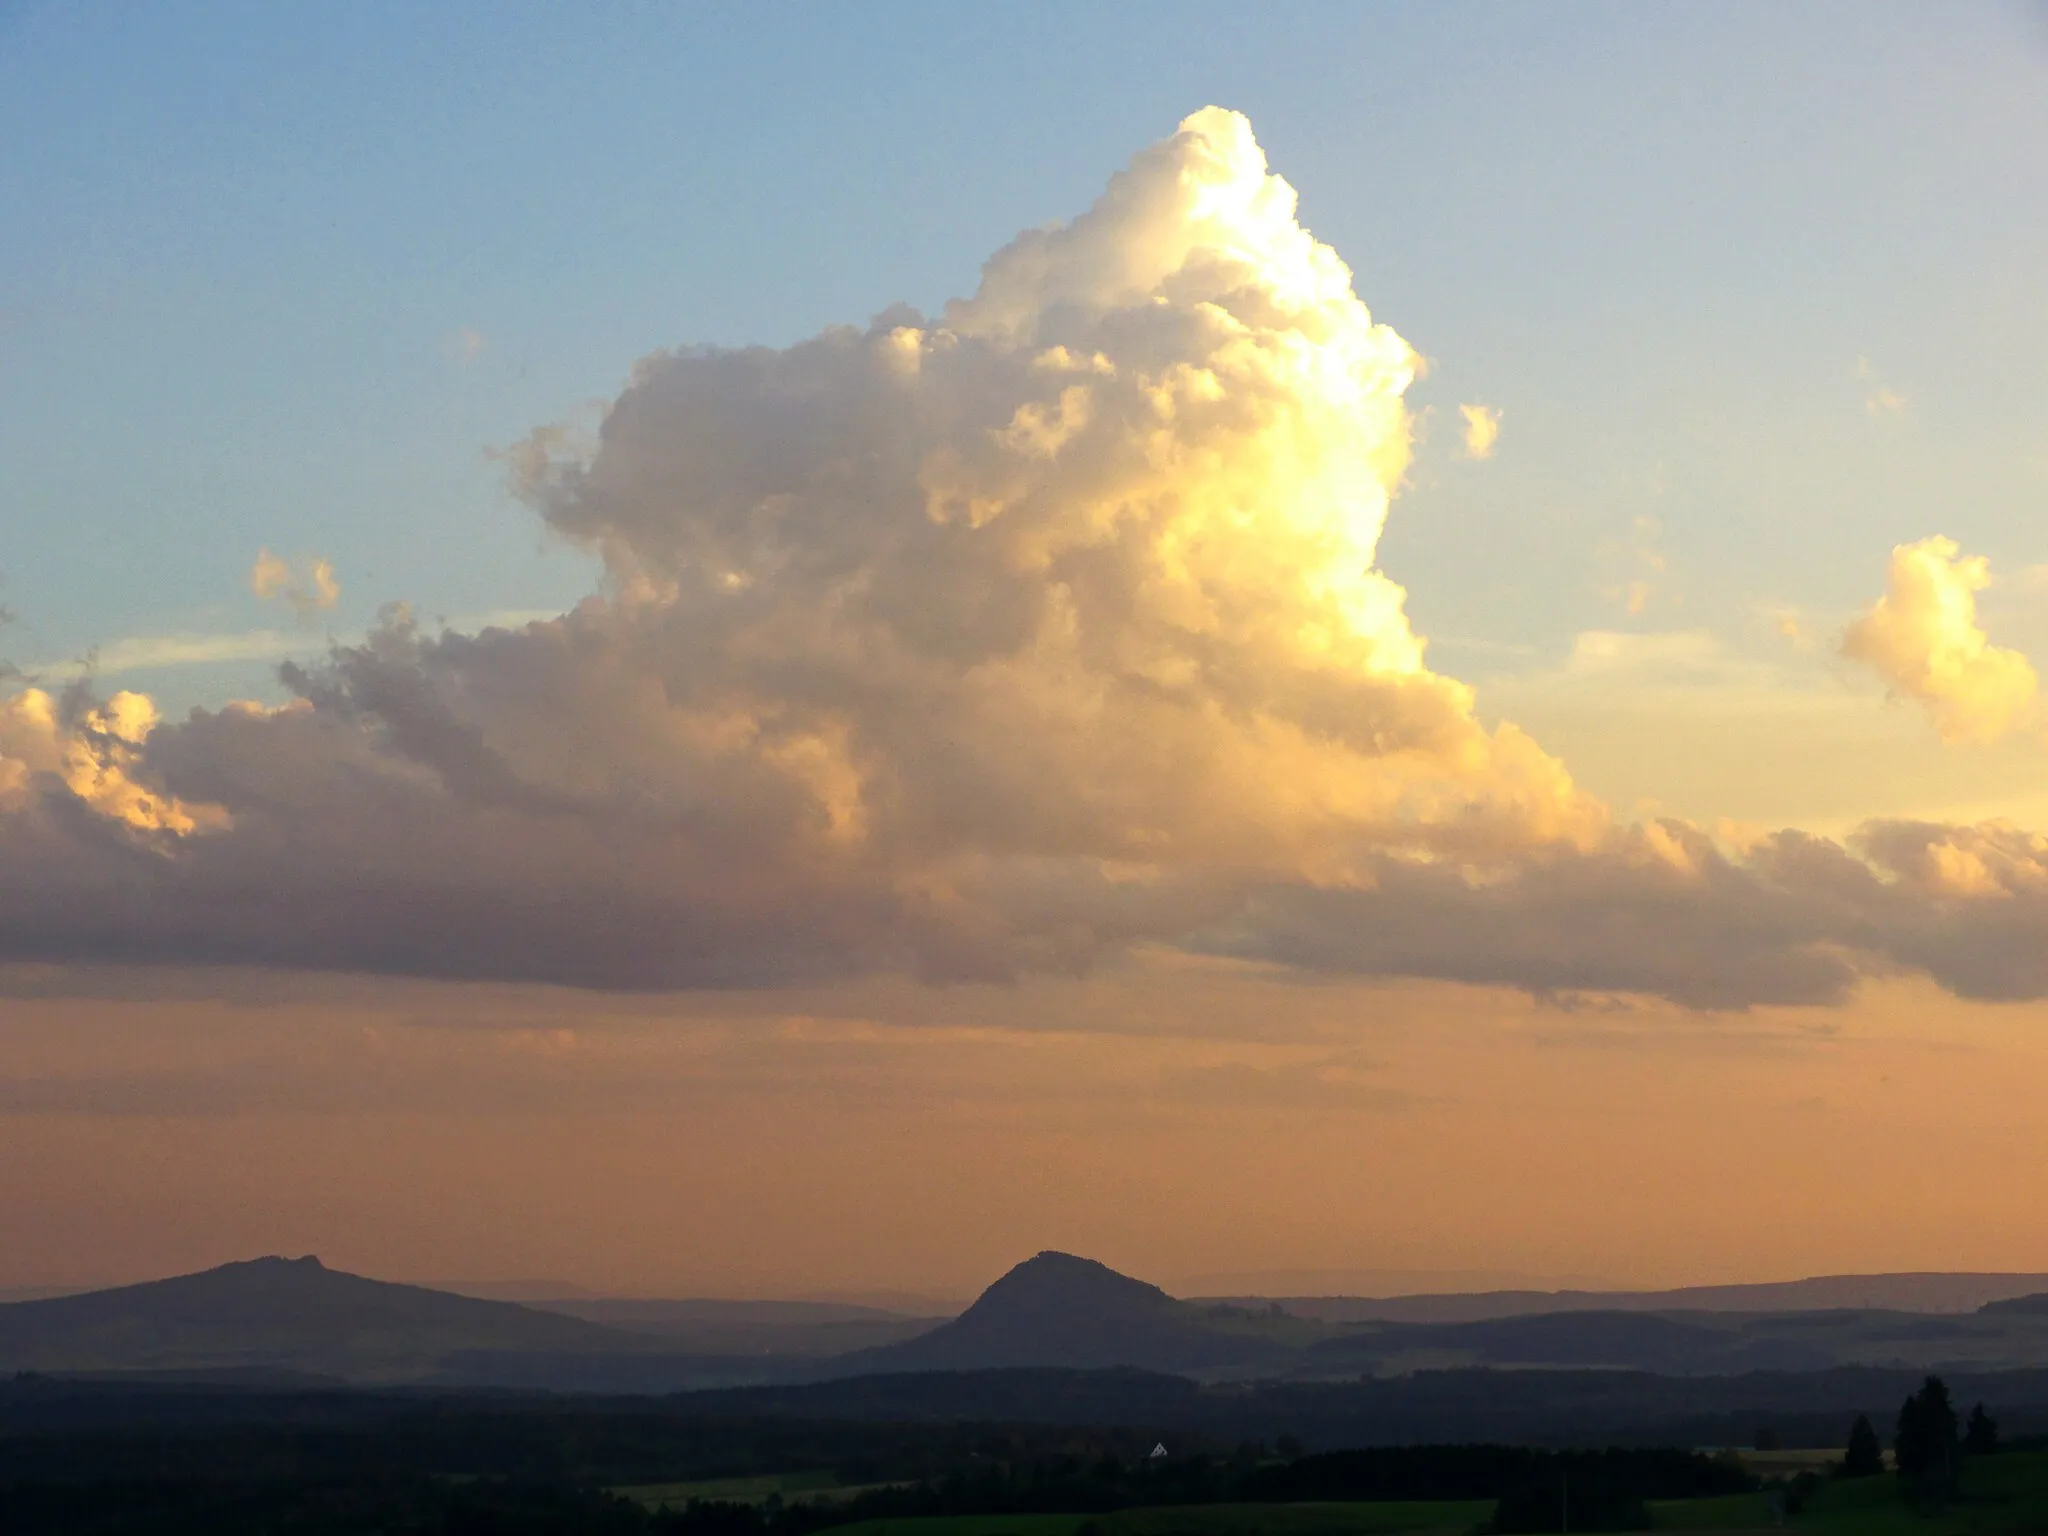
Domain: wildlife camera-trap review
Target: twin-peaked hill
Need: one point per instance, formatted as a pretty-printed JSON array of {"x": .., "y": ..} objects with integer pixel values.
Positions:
[{"x": 281, "y": 1314}]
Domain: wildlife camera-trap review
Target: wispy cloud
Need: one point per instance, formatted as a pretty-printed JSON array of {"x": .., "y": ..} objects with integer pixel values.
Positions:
[
  {"x": 1638, "y": 568},
  {"x": 1880, "y": 400},
  {"x": 1482, "y": 429},
  {"x": 154, "y": 653}
]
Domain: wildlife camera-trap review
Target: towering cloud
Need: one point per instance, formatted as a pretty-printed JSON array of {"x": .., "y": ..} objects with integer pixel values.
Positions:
[
  {"x": 1922, "y": 637},
  {"x": 1084, "y": 569},
  {"x": 966, "y": 644}
]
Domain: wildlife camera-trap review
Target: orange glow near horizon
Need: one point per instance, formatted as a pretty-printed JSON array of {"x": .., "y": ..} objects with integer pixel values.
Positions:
[{"x": 1185, "y": 1121}]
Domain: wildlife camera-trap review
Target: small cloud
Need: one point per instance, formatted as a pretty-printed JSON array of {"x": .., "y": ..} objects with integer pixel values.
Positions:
[
  {"x": 1785, "y": 621},
  {"x": 1880, "y": 400},
  {"x": 308, "y": 587},
  {"x": 1923, "y": 638},
  {"x": 1482, "y": 430}
]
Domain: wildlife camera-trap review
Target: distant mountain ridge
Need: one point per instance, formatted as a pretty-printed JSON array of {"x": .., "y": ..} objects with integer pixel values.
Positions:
[
  {"x": 292, "y": 1314},
  {"x": 1928, "y": 1291},
  {"x": 1054, "y": 1311},
  {"x": 2034, "y": 1305}
]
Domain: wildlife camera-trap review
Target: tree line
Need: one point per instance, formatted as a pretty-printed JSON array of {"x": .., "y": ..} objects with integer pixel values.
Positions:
[{"x": 1931, "y": 1447}]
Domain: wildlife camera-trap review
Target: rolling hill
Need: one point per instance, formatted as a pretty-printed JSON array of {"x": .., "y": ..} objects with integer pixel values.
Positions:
[{"x": 282, "y": 1314}]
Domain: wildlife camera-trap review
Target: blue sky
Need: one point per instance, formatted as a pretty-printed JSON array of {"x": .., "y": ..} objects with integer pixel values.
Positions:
[{"x": 246, "y": 244}]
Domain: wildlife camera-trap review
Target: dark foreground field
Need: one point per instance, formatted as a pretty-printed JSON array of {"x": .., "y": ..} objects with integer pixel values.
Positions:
[
  {"x": 2006, "y": 1493},
  {"x": 906, "y": 1459},
  {"x": 121, "y": 1459}
]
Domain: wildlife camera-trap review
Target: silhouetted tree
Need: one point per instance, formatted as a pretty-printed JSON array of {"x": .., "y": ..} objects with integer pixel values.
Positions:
[
  {"x": 1981, "y": 1438},
  {"x": 1928, "y": 1450},
  {"x": 1865, "y": 1456}
]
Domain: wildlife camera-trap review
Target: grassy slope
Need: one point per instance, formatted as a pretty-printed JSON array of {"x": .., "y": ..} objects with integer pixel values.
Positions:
[
  {"x": 2007, "y": 1496},
  {"x": 1731, "y": 1512},
  {"x": 2007, "y": 1493},
  {"x": 809, "y": 1487},
  {"x": 1383, "y": 1519}
]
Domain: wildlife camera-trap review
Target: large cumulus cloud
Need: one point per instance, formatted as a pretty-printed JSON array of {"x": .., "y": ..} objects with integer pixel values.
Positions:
[{"x": 966, "y": 645}]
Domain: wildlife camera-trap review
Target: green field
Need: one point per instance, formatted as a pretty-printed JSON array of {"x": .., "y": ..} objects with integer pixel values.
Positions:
[
  {"x": 1298, "y": 1519},
  {"x": 2006, "y": 1495},
  {"x": 2002, "y": 1494},
  {"x": 815, "y": 1487},
  {"x": 1730, "y": 1512},
  {"x": 1388, "y": 1519}
]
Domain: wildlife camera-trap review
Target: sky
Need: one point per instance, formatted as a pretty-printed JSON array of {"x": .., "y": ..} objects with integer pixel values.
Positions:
[{"x": 788, "y": 651}]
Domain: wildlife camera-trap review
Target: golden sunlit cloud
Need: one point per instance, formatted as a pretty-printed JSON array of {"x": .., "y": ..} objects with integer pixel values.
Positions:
[
  {"x": 308, "y": 587},
  {"x": 92, "y": 750},
  {"x": 1482, "y": 430},
  {"x": 1923, "y": 638}
]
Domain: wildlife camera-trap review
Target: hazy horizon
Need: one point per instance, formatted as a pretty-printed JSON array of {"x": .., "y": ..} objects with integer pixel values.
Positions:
[{"x": 1277, "y": 1284}]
